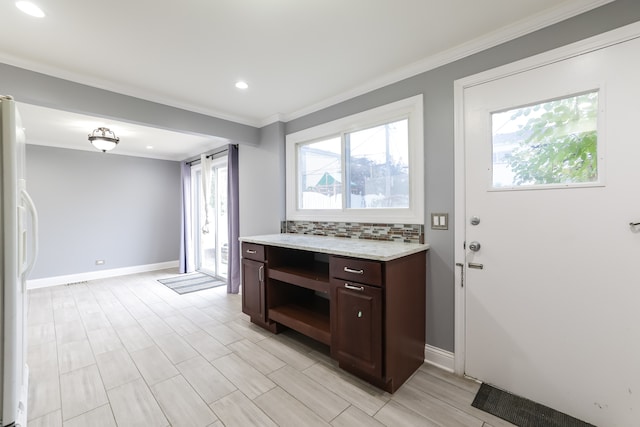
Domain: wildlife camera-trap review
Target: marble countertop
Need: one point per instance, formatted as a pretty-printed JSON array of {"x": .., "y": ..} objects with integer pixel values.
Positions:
[{"x": 377, "y": 250}]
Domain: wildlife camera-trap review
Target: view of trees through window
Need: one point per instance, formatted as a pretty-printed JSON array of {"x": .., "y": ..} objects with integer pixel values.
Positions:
[
  {"x": 554, "y": 142},
  {"x": 376, "y": 171}
]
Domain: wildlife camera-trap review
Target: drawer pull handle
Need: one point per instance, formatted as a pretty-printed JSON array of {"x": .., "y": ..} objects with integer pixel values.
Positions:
[
  {"x": 354, "y": 288},
  {"x": 251, "y": 251},
  {"x": 351, "y": 270}
]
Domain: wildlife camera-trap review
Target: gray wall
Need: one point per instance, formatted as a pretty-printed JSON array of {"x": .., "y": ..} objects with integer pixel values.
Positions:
[
  {"x": 125, "y": 210},
  {"x": 437, "y": 87},
  {"x": 262, "y": 180}
]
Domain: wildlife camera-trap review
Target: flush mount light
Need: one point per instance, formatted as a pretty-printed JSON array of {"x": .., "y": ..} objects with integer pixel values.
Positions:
[
  {"x": 103, "y": 139},
  {"x": 242, "y": 85},
  {"x": 30, "y": 9}
]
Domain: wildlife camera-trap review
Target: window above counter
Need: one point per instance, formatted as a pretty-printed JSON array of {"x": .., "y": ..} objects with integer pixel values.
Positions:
[{"x": 366, "y": 167}]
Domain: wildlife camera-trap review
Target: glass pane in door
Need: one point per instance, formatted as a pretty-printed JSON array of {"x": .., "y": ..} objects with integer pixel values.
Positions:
[{"x": 210, "y": 220}]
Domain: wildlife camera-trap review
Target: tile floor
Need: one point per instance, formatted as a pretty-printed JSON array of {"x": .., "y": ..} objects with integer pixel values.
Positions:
[{"x": 128, "y": 351}]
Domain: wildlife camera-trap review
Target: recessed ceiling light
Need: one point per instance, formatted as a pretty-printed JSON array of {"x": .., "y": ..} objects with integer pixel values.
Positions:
[
  {"x": 149, "y": 147},
  {"x": 30, "y": 9},
  {"x": 242, "y": 85}
]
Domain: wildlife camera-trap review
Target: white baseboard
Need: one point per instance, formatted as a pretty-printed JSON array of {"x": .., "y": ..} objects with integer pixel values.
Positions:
[
  {"x": 93, "y": 275},
  {"x": 439, "y": 358}
]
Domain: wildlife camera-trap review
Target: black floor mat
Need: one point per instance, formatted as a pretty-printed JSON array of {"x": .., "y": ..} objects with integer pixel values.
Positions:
[{"x": 520, "y": 411}]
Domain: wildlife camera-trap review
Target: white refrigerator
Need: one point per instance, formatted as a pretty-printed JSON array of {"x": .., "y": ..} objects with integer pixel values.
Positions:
[{"x": 17, "y": 255}]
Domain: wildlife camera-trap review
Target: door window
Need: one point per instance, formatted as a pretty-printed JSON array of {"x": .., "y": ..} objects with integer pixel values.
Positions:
[{"x": 547, "y": 144}]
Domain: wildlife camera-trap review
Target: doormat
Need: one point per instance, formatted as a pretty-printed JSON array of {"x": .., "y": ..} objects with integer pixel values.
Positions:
[
  {"x": 194, "y": 282},
  {"x": 520, "y": 411}
]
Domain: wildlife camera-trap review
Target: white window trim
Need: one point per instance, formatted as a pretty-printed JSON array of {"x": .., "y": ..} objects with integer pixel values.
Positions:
[{"x": 411, "y": 108}]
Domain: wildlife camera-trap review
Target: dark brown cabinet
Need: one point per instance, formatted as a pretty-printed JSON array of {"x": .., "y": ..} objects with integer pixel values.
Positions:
[
  {"x": 370, "y": 313},
  {"x": 253, "y": 282},
  {"x": 356, "y": 327},
  {"x": 253, "y": 289}
]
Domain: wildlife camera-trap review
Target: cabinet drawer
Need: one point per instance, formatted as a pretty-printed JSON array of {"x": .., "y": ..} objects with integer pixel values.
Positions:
[
  {"x": 356, "y": 270},
  {"x": 253, "y": 251}
]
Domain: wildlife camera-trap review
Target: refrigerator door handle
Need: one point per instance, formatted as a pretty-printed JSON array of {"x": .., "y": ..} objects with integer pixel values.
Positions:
[{"x": 34, "y": 235}]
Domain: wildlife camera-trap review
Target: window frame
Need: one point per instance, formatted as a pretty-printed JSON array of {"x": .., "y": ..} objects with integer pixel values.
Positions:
[{"x": 410, "y": 108}]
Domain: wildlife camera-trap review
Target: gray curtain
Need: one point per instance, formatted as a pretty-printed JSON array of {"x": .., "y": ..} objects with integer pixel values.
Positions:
[
  {"x": 186, "y": 257},
  {"x": 233, "y": 282}
]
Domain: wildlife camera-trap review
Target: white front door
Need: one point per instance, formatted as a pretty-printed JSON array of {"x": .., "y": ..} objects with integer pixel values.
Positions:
[{"x": 552, "y": 295}]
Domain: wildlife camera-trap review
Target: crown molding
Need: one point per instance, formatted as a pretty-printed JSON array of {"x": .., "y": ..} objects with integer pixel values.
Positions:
[{"x": 495, "y": 38}]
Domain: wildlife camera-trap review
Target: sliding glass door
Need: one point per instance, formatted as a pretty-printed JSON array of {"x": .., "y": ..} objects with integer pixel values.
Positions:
[{"x": 210, "y": 218}]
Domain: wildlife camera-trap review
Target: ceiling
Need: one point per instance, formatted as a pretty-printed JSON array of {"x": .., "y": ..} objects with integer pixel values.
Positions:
[{"x": 296, "y": 55}]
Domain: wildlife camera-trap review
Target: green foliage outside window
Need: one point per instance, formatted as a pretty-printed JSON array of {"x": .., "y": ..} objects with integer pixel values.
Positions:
[{"x": 558, "y": 142}]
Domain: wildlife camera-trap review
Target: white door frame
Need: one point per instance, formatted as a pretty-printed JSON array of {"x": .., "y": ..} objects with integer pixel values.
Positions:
[{"x": 591, "y": 44}]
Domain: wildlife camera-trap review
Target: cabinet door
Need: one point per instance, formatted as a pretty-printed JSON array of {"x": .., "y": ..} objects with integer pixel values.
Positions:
[
  {"x": 253, "y": 289},
  {"x": 356, "y": 326}
]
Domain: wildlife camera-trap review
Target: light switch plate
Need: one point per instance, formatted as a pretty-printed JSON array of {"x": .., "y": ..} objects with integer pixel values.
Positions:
[{"x": 439, "y": 221}]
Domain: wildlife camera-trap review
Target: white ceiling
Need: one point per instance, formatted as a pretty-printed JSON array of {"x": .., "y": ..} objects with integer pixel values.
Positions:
[{"x": 296, "y": 55}]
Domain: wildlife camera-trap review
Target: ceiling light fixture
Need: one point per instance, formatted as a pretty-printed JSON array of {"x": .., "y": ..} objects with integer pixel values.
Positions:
[
  {"x": 30, "y": 9},
  {"x": 103, "y": 139},
  {"x": 242, "y": 85}
]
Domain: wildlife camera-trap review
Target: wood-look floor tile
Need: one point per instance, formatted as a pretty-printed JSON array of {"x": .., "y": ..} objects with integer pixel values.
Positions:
[
  {"x": 175, "y": 348},
  {"x": 74, "y": 355},
  {"x": 321, "y": 400},
  {"x": 181, "y": 324},
  {"x": 434, "y": 409},
  {"x": 236, "y": 410},
  {"x": 244, "y": 376},
  {"x": 68, "y": 332},
  {"x": 93, "y": 321},
  {"x": 153, "y": 365},
  {"x": 256, "y": 356},
  {"x": 354, "y": 417},
  {"x": 44, "y": 391},
  {"x": 207, "y": 381},
  {"x": 52, "y": 419},
  {"x": 99, "y": 417},
  {"x": 162, "y": 309},
  {"x": 66, "y": 315},
  {"x": 222, "y": 333},
  {"x": 81, "y": 391},
  {"x": 104, "y": 340},
  {"x": 248, "y": 330},
  {"x": 206, "y": 345},
  {"x": 116, "y": 368},
  {"x": 286, "y": 411},
  {"x": 121, "y": 319},
  {"x": 394, "y": 414},
  {"x": 449, "y": 390},
  {"x": 181, "y": 404},
  {"x": 358, "y": 393},
  {"x": 292, "y": 356},
  {"x": 41, "y": 333},
  {"x": 197, "y": 316},
  {"x": 155, "y": 326},
  {"x": 133, "y": 405},
  {"x": 134, "y": 338},
  {"x": 43, "y": 356}
]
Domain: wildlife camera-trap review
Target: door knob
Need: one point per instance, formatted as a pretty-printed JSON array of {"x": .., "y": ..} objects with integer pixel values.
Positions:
[{"x": 474, "y": 246}]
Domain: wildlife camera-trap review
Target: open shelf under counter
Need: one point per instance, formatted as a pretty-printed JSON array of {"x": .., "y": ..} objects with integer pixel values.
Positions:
[
  {"x": 314, "y": 276},
  {"x": 311, "y": 320}
]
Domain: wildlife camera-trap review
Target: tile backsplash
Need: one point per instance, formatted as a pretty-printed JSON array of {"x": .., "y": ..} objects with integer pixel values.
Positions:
[{"x": 407, "y": 233}]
